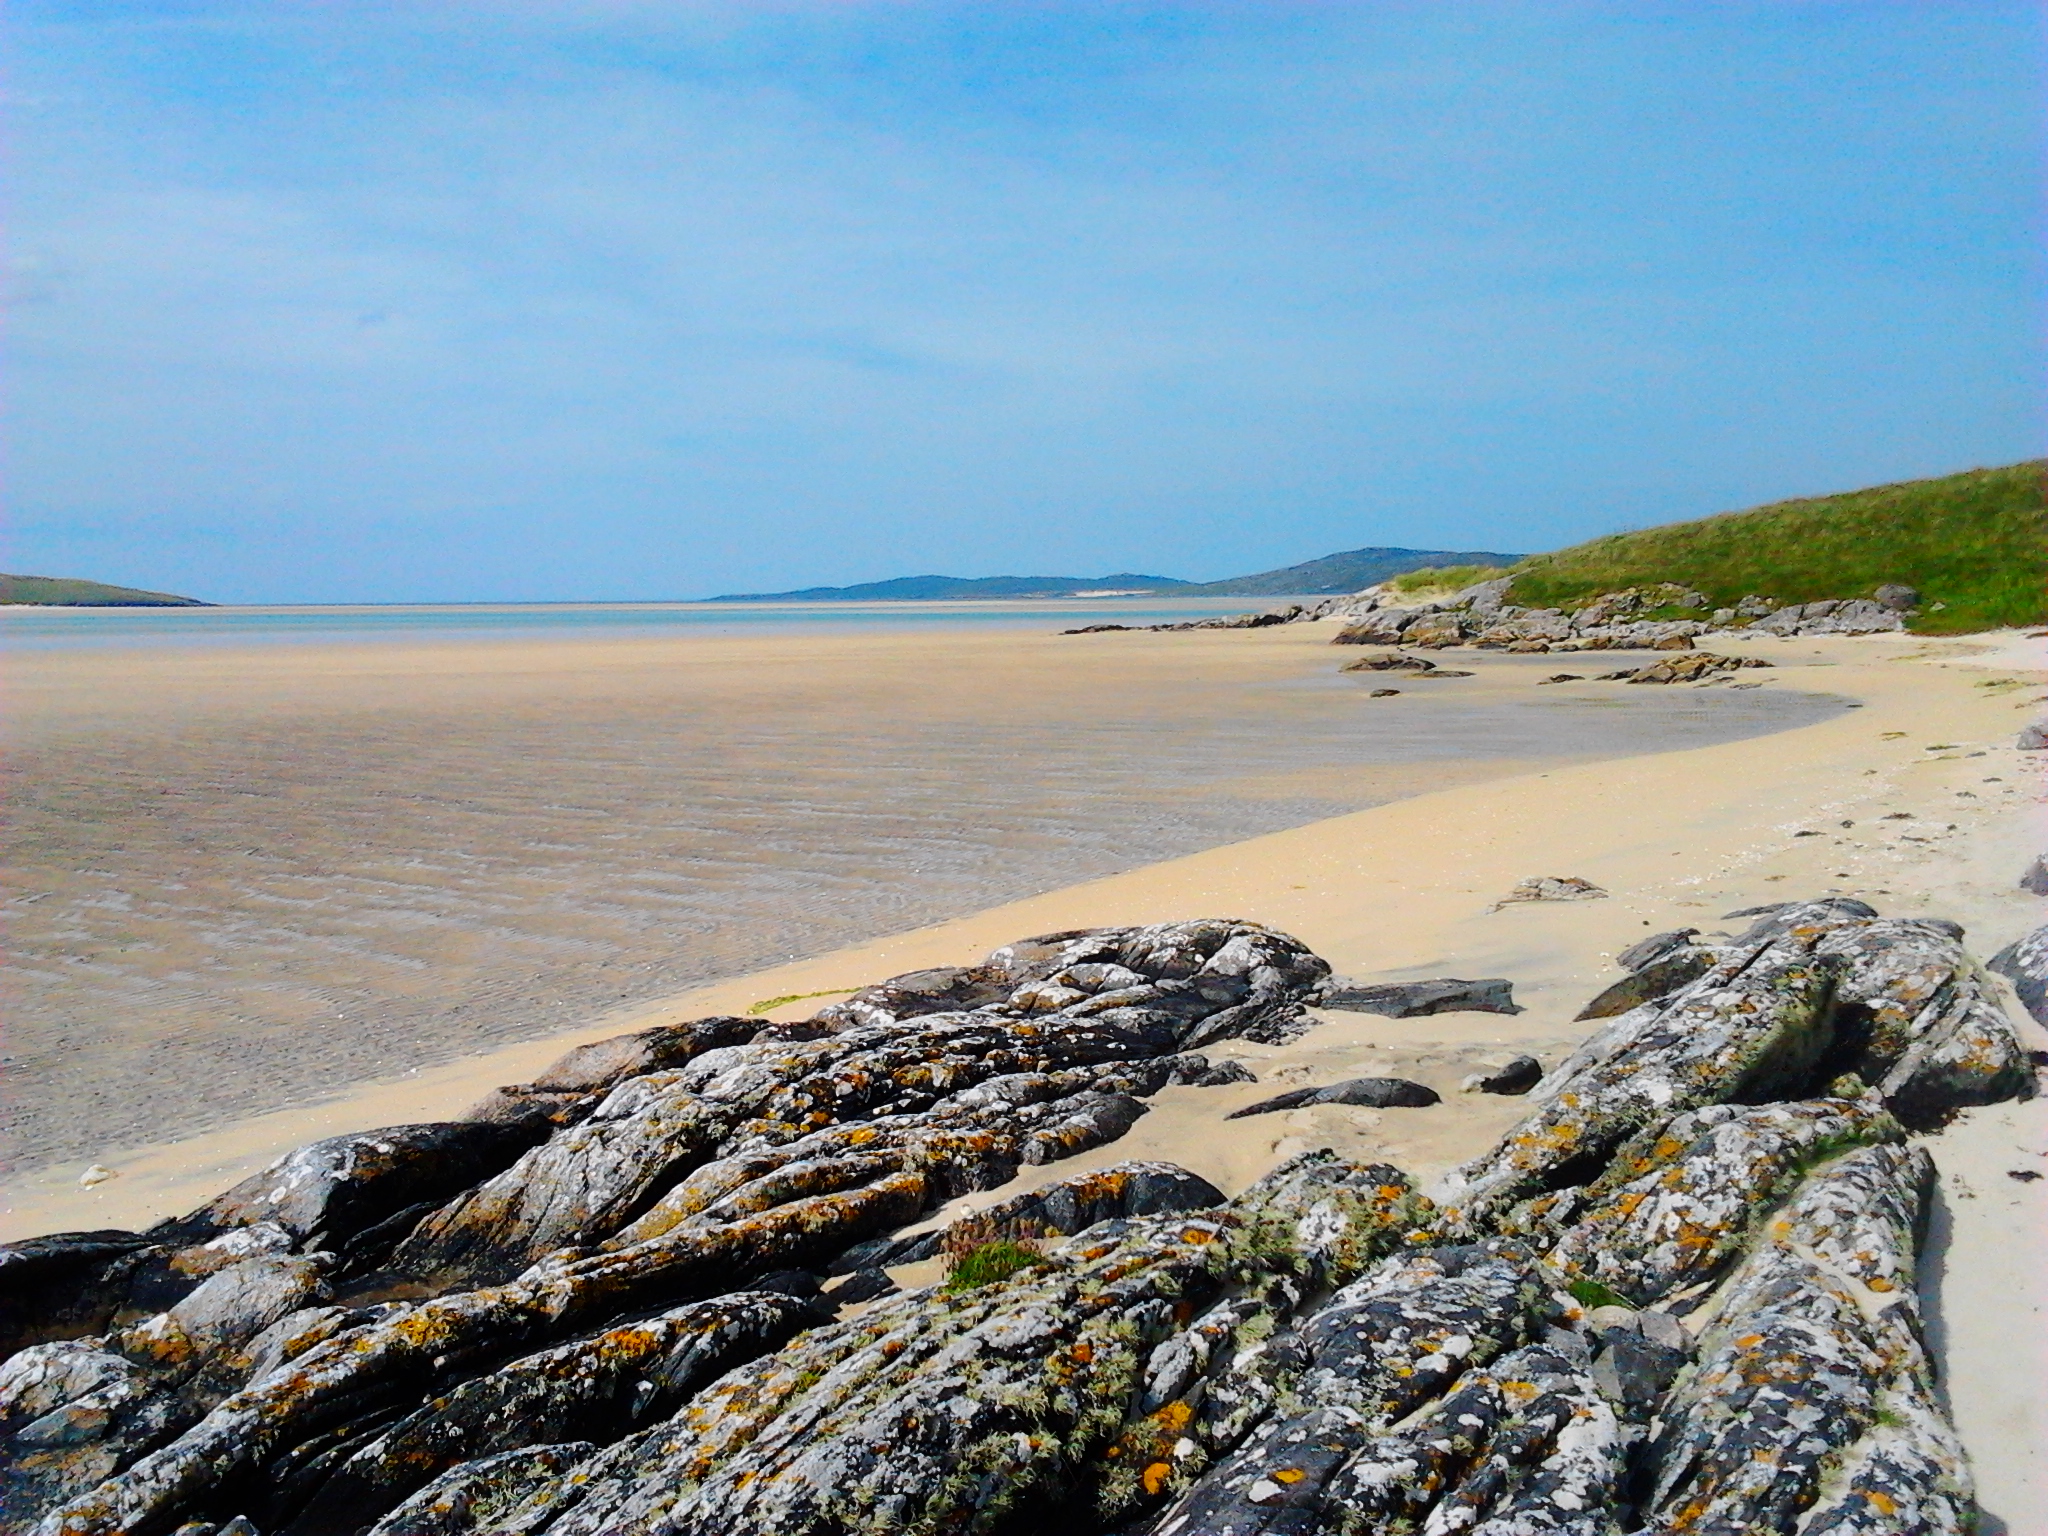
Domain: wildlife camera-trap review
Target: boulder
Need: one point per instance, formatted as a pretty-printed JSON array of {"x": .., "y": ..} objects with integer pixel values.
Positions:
[
  {"x": 1371, "y": 1092},
  {"x": 1435, "y": 630},
  {"x": 328, "y": 1192},
  {"x": 1382, "y": 627},
  {"x": 1692, "y": 668},
  {"x": 2033, "y": 739},
  {"x": 1413, "y": 999},
  {"x": 2024, "y": 963},
  {"x": 2035, "y": 880},
  {"x": 1897, "y": 597},
  {"x": 1512, "y": 1080}
]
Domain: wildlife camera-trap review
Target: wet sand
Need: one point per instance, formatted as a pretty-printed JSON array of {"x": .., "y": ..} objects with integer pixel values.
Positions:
[{"x": 246, "y": 878}]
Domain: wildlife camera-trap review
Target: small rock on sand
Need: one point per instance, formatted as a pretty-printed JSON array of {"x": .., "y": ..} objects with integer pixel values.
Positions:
[
  {"x": 2036, "y": 877},
  {"x": 1384, "y": 693},
  {"x": 1372, "y": 1092},
  {"x": 1413, "y": 999},
  {"x": 1551, "y": 888},
  {"x": 1512, "y": 1080}
]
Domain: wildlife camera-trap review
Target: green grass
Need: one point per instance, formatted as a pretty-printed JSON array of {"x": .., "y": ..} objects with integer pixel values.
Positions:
[
  {"x": 66, "y": 592},
  {"x": 989, "y": 1263},
  {"x": 1975, "y": 543},
  {"x": 1444, "y": 578},
  {"x": 1591, "y": 1293},
  {"x": 769, "y": 1004}
]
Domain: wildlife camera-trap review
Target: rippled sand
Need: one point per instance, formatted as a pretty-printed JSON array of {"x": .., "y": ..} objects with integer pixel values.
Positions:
[{"x": 242, "y": 878}]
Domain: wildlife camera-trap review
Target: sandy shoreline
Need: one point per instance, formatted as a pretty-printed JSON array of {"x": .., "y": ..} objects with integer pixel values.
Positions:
[
  {"x": 238, "y": 879},
  {"x": 1403, "y": 889}
]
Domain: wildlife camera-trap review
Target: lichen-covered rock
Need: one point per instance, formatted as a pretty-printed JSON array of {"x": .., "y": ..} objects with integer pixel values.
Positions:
[
  {"x": 328, "y": 1192},
  {"x": 1753, "y": 1027},
  {"x": 1062, "y": 1209},
  {"x": 597, "y": 1389},
  {"x": 1919, "y": 1021},
  {"x": 1814, "y": 1351},
  {"x": 623, "y": 1332},
  {"x": 1675, "y": 1206},
  {"x": 473, "y": 1497},
  {"x": 996, "y": 1406}
]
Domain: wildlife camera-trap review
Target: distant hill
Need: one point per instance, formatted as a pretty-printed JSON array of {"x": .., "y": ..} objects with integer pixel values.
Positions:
[
  {"x": 1976, "y": 543},
  {"x": 1348, "y": 571},
  {"x": 1345, "y": 572},
  {"x": 913, "y": 588},
  {"x": 65, "y": 592}
]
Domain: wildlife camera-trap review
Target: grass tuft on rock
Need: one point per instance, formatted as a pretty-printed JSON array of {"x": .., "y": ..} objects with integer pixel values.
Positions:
[
  {"x": 990, "y": 1264},
  {"x": 1974, "y": 545}
]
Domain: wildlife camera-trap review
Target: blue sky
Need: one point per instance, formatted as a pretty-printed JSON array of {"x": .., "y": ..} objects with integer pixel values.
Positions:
[{"x": 468, "y": 301}]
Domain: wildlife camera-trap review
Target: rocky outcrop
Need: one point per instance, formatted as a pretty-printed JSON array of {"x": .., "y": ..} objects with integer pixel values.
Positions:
[
  {"x": 1678, "y": 1297},
  {"x": 1664, "y": 617}
]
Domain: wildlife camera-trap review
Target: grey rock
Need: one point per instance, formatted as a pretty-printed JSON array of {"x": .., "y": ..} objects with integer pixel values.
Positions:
[
  {"x": 336, "y": 1188},
  {"x": 474, "y": 1496},
  {"x": 2033, "y": 739},
  {"x": 605, "y": 1063},
  {"x": 66, "y": 1284},
  {"x": 1072, "y": 1205},
  {"x": 1371, "y": 1092},
  {"x": 1414, "y": 999},
  {"x": 1897, "y": 596},
  {"x": 1394, "y": 662},
  {"x": 1814, "y": 1353},
  {"x": 1632, "y": 1372},
  {"x": 1551, "y": 888},
  {"x": 2035, "y": 880},
  {"x": 2024, "y": 962},
  {"x": 1655, "y": 947},
  {"x": 1517, "y": 1077},
  {"x": 1676, "y": 968}
]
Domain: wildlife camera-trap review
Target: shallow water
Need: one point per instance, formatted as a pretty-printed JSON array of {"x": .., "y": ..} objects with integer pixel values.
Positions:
[
  {"x": 238, "y": 881},
  {"x": 45, "y": 629}
]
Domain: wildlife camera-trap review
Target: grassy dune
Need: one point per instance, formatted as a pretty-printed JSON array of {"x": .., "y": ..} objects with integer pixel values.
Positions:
[{"x": 1975, "y": 543}]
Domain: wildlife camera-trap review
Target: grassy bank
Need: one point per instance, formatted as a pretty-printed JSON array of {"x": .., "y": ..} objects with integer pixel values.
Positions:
[{"x": 1975, "y": 543}]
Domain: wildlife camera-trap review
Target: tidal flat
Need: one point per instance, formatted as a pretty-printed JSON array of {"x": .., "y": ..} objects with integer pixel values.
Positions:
[{"x": 242, "y": 877}]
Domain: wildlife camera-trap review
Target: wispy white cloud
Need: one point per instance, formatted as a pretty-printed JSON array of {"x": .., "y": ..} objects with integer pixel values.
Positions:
[{"x": 475, "y": 300}]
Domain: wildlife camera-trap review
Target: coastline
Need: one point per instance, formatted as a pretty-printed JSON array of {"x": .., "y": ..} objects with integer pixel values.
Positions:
[{"x": 1403, "y": 891}]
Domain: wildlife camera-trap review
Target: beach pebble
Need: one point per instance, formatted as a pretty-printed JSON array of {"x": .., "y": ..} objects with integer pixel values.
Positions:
[
  {"x": 96, "y": 1174},
  {"x": 1383, "y": 693}
]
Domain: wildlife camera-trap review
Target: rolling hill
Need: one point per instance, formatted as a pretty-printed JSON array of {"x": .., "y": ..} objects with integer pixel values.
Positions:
[
  {"x": 68, "y": 592},
  {"x": 1345, "y": 571}
]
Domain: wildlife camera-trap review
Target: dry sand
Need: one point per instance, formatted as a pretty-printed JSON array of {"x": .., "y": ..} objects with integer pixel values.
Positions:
[{"x": 1404, "y": 890}]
